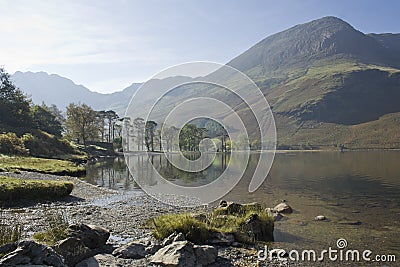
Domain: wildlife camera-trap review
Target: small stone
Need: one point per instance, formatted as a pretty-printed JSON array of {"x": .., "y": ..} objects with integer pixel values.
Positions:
[
  {"x": 320, "y": 218},
  {"x": 283, "y": 208},
  {"x": 223, "y": 203}
]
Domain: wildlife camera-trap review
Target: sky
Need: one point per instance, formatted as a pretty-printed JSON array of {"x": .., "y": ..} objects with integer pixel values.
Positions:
[{"x": 108, "y": 45}]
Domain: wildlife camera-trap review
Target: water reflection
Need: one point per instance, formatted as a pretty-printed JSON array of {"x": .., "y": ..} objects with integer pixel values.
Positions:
[{"x": 360, "y": 186}]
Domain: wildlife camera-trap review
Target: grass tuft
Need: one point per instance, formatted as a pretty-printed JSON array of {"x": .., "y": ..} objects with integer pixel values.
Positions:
[
  {"x": 57, "y": 229},
  {"x": 200, "y": 230},
  {"x": 9, "y": 233}
]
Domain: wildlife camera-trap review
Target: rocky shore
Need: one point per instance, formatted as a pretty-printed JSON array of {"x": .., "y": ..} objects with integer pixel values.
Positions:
[{"x": 123, "y": 216}]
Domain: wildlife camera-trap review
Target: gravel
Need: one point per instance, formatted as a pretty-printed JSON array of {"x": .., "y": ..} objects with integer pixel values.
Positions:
[{"x": 124, "y": 214}]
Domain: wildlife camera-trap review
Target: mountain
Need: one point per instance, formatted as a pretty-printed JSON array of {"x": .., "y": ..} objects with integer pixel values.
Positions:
[
  {"x": 327, "y": 84},
  {"x": 54, "y": 89},
  {"x": 325, "y": 81}
]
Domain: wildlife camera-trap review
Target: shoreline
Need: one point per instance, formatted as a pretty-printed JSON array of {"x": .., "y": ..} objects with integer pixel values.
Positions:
[{"x": 124, "y": 215}]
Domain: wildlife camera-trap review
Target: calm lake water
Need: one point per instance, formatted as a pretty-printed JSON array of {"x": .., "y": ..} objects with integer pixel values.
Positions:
[{"x": 347, "y": 187}]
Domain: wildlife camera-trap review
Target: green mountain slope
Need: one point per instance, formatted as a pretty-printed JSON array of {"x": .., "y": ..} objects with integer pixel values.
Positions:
[{"x": 325, "y": 81}]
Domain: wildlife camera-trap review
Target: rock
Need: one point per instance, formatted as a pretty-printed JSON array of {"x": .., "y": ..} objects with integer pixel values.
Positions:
[
  {"x": 152, "y": 248},
  {"x": 105, "y": 260},
  {"x": 255, "y": 229},
  {"x": 73, "y": 250},
  {"x": 92, "y": 236},
  {"x": 205, "y": 255},
  {"x": 180, "y": 253},
  {"x": 223, "y": 203},
  {"x": 275, "y": 215},
  {"x": 133, "y": 250},
  {"x": 7, "y": 248},
  {"x": 320, "y": 218},
  {"x": 283, "y": 208},
  {"x": 221, "y": 239},
  {"x": 172, "y": 238},
  {"x": 31, "y": 253}
]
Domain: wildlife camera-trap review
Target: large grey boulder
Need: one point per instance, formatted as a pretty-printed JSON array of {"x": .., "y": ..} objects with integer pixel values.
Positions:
[
  {"x": 92, "y": 236},
  {"x": 133, "y": 250},
  {"x": 185, "y": 254},
  {"x": 31, "y": 253},
  {"x": 173, "y": 238},
  {"x": 180, "y": 253},
  {"x": 73, "y": 250}
]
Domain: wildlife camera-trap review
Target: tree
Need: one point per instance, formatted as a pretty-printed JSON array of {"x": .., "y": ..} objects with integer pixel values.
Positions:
[
  {"x": 138, "y": 123},
  {"x": 82, "y": 123},
  {"x": 169, "y": 134},
  {"x": 14, "y": 105},
  {"x": 150, "y": 128},
  {"x": 44, "y": 119}
]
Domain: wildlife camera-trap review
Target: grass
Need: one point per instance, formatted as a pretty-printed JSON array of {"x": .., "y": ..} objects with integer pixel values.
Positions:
[
  {"x": 9, "y": 233},
  {"x": 219, "y": 221},
  {"x": 57, "y": 229},
  {"x": 49, "y": 166},
  {"x": 14, "y": 189}
]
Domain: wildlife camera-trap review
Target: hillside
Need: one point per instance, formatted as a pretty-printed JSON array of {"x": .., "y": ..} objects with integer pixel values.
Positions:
[{"x": 325, "y": 81}]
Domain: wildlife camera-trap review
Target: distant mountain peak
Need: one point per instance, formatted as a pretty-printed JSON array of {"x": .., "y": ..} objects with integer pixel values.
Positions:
[{"x": 303, "y": 44}]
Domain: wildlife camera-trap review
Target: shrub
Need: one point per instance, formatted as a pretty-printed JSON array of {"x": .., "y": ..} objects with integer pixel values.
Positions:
[{"x": 10, "y": 144}]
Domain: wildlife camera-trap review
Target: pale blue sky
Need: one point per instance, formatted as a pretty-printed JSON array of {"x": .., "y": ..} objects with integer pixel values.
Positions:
[{"x": 107, "y": 45}]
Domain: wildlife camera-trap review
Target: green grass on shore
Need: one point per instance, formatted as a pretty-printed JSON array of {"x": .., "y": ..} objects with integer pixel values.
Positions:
[
  {"x": 199, "y": 230},
  {"x": 49, "y": 166},
  {"x": 15, "y": 189}
]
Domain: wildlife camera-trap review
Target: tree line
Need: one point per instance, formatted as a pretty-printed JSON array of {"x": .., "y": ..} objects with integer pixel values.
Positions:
[{"x": 82, "y": 124}]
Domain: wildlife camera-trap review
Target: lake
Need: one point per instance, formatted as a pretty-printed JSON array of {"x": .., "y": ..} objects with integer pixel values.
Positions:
[{"x": 360, "y": 188}]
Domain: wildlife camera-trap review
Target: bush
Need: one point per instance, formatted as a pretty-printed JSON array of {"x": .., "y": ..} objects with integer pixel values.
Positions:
[
  {"x": 10, "y": 144},
  {"x": 15, "y": 189}
]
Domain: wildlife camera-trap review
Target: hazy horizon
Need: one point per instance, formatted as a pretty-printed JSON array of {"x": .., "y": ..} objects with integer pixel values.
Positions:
[{"x": 107, "y": 46}]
